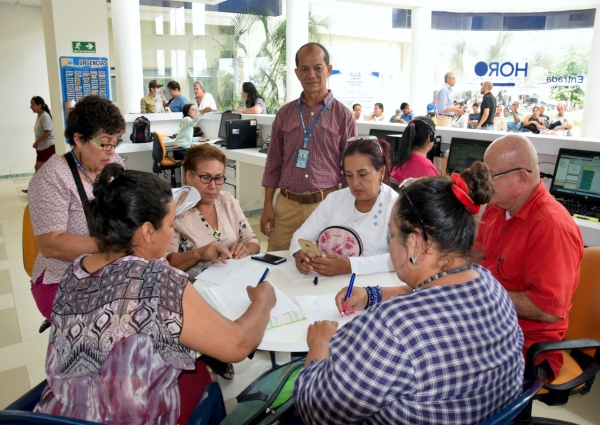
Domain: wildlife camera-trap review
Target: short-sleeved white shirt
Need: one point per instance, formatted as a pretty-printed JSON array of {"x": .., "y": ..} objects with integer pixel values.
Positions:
[{"x": 42, "y": 123}]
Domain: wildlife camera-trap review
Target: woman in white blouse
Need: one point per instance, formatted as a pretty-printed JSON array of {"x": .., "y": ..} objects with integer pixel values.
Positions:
[
  {"x": 364, "y": 206},
  {"x": 204, "y": 102}
]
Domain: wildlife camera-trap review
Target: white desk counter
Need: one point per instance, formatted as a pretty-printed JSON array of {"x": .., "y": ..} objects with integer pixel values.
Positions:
[{"x": 292, "y": 337}]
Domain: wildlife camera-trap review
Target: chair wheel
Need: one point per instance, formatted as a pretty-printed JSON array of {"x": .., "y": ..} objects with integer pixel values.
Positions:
[{"x": 45, "y": 325}]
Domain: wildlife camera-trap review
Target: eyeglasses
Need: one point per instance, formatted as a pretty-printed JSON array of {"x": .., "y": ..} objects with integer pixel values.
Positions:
[
  {"x": 108, "y": 146},
  {"x": 219, "y": 180},
  {"x": 403, "y": 188},
  {"x": 495, "y": 176}
]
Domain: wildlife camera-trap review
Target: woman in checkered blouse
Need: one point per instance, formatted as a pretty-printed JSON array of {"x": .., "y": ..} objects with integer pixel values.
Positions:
[{"x": 445, "y": 348}]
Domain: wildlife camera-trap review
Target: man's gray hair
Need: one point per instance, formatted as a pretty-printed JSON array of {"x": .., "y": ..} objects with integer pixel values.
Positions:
[{"x": 448, "y": 76}]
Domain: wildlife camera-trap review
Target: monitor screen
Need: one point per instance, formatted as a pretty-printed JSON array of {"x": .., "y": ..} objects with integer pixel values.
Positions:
[
  {"x": 392, "y": 137},
  {"x": 227, "y": 116},
  {"x": 577, "y": 175},
  {"x": 464, "y": 152}
]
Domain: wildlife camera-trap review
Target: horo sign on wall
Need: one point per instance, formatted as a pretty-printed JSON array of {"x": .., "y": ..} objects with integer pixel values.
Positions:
[{"x": 84, "y": 46}]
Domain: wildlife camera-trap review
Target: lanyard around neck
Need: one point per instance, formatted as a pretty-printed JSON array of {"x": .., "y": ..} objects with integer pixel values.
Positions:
[
  {"x": 81, "y": 168},
  {"x": 312, "y": 127}
]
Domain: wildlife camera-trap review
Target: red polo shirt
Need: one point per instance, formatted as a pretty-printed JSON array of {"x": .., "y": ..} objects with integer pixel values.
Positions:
[{"x": 538, "y": 251}]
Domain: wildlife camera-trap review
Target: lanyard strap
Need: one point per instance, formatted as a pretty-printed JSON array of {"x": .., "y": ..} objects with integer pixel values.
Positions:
[
  {"x": 312, "y": 127},
  {"x": 81, "y": 168}
]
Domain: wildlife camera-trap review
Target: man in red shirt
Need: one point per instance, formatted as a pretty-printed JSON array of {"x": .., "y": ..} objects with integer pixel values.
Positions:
[
  {"x": 304, "y": 160},
  {"x": 531, "y": 245}
]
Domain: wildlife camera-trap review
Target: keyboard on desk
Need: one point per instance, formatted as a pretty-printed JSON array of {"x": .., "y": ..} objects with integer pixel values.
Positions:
[{"x": 577, "y": 208}]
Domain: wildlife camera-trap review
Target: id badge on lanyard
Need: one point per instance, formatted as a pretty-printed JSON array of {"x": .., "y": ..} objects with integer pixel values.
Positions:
[{"x": 304, "y": 152}]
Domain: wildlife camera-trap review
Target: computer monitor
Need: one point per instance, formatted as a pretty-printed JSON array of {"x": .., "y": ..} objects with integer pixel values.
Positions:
[
  {"x": 241, "y": 134},
  {"x": 464, "y": 152},
  {"x": 227, "y": 116},
  {"x": 392, "y": 137},
  {"x": 577, "y": 176}
]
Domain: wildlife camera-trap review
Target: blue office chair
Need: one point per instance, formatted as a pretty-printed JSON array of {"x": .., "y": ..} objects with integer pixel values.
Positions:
[
  {"x": 210, "y": 409},
  {"x": 510, "y": 412}
]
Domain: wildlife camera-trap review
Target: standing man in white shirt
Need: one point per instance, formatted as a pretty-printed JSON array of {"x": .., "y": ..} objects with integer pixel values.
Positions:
[{"x": 445, "y": 102}]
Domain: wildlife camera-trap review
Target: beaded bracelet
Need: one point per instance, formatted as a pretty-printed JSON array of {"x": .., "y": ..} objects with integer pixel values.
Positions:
[{"x": 373, "y": 295}]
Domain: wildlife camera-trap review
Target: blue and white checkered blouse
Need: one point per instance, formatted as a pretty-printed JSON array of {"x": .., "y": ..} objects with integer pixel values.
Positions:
[{"x": 440, "y": 355}]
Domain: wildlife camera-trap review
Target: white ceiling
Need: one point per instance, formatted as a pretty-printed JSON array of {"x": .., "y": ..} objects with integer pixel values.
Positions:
[{"x": 511, "y": 6}]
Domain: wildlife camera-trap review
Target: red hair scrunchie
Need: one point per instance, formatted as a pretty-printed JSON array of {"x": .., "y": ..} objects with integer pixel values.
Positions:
[{"x": 461, "y": 191}]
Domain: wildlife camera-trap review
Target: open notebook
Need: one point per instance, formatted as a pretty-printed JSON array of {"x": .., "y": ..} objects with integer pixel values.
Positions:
[{"x": 232, "y": 301}]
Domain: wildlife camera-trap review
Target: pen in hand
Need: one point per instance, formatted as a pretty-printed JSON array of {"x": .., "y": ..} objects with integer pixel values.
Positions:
[
  {"x": 263, "y": 277},
  {"x": 218, "y": 255},
  {"x": 349, "y": 291}
]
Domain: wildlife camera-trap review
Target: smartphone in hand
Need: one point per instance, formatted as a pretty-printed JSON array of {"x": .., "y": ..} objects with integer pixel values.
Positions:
[{"x": 310, "y": 248}]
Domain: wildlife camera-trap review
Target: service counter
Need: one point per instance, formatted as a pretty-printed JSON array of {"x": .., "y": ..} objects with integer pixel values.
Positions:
[{"x": 250, "y": 163}]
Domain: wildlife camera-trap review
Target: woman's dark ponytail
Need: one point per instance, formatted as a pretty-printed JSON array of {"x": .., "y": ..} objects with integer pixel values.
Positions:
[{"x": 39, "y": 101}]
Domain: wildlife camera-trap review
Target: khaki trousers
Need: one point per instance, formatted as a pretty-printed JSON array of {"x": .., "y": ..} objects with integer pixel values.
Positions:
[
  {"x": 289, "y": 216},
  {"x": 444, "y": 121}
]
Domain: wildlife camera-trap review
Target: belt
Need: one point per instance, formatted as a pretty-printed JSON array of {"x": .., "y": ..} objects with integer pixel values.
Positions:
[
  {"x": 307, "y": 197},
  {"x": 446, "y": 115}
]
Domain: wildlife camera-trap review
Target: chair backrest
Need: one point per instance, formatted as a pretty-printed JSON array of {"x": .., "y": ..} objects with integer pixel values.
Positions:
[
  {"x": 211, "y": 407},
  {"x": 584, "y": 318},
  {"x": 158, "y": 148},
  {"x": 510, "y": 412},
  {"x": 30, "y": 246}
]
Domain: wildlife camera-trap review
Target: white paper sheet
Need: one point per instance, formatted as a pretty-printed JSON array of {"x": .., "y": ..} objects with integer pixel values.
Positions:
[
  {"x": 232, "y": 301},
  {"x": 322, "y": 307},
  {"x": 291, "y": 271},
  {"x": 244, "y": 271}
]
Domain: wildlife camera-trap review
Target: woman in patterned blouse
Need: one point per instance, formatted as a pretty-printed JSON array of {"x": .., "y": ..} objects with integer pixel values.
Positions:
[
  {"x": 445, "y": 348},
  {"x": 119, "y": 341}
]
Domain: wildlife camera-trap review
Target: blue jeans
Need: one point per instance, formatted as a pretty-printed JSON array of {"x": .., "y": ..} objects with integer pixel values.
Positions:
[{"x": 489, "y": 127}]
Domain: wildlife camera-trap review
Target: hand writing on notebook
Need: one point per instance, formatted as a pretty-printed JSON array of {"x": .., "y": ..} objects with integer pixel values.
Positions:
[
  {"x": 357, "y": 300},
  {"x": 263, "y": 292}
]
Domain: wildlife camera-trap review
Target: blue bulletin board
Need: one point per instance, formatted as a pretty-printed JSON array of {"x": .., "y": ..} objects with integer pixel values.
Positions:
[{"x": 82, "y": 76}]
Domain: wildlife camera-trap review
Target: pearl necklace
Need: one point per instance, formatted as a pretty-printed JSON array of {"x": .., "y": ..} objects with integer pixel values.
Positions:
[{"x": 437, "y": 276}]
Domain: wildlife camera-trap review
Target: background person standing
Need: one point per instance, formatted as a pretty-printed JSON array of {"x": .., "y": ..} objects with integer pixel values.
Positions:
[
  {"x": 44, "y": 138},
  {"x": 445, "y": 102},
  {"x": 305, "y": 156},
  {"x": 488, "y": 107}
]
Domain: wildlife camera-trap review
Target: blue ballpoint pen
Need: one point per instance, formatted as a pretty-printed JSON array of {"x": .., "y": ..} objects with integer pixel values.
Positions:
[
  {"x": 263, "y": 276},
  {"x": 349, "y": 291}
]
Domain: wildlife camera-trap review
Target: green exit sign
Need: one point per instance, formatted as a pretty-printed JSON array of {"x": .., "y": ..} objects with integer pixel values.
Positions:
[{"x": 84, "y": 46}]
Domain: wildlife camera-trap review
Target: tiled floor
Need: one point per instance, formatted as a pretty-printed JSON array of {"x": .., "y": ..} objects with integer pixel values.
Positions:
[{"x": 23, "y": 349}]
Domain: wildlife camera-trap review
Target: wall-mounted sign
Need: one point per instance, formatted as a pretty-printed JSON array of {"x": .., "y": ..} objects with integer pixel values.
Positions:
[
  {"x": 351, "y": 87},
  {"x": 84, "y": 46}
]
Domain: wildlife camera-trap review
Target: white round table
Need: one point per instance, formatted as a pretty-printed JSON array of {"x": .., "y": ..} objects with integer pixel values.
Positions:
[{"x": 292, "y": 337}]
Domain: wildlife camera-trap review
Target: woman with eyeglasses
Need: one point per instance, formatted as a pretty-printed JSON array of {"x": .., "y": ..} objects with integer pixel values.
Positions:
[
  {"x": 214, "y": 230},
  {"x": 443, "y": 349},
  {"x": 126, "y": 326},
  {"x": 364, "y": 206},
  {"x": 410, "y": 159},
  {"x": 94, "y": 129}
]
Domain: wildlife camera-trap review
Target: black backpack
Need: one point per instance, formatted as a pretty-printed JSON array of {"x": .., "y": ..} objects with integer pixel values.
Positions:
[{"x": 141, "y": 130}]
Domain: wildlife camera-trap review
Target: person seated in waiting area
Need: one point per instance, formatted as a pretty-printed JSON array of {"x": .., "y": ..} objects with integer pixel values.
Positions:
[
  {"x": 444, "y": 349},
  {"x": 184, "y": 138},
  {"x": 377, "y": 116},
  {"x": 460, "y": 121},
  {"x": 514, "y": 120},
  {"x": 411, "y": 159},
  {"x": 177, "y": 101},
  {"x": 534, "y": 123},
  {"x": 562, "y": 122},
  {"x": 125, "y": 324},
  {"x": 499, "y": 120},
  {"x": 431, "y": 112},
  {"x": 406, "y": 114},
  {"x": 94, "y": 129},
  {"x": 364, "y": 206},
  {"x": 396, "y": 116},
  {"x": 544, "y": 116},
  {"x": 474, "y": 116},
  {"x": 255, "y": 104}
]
